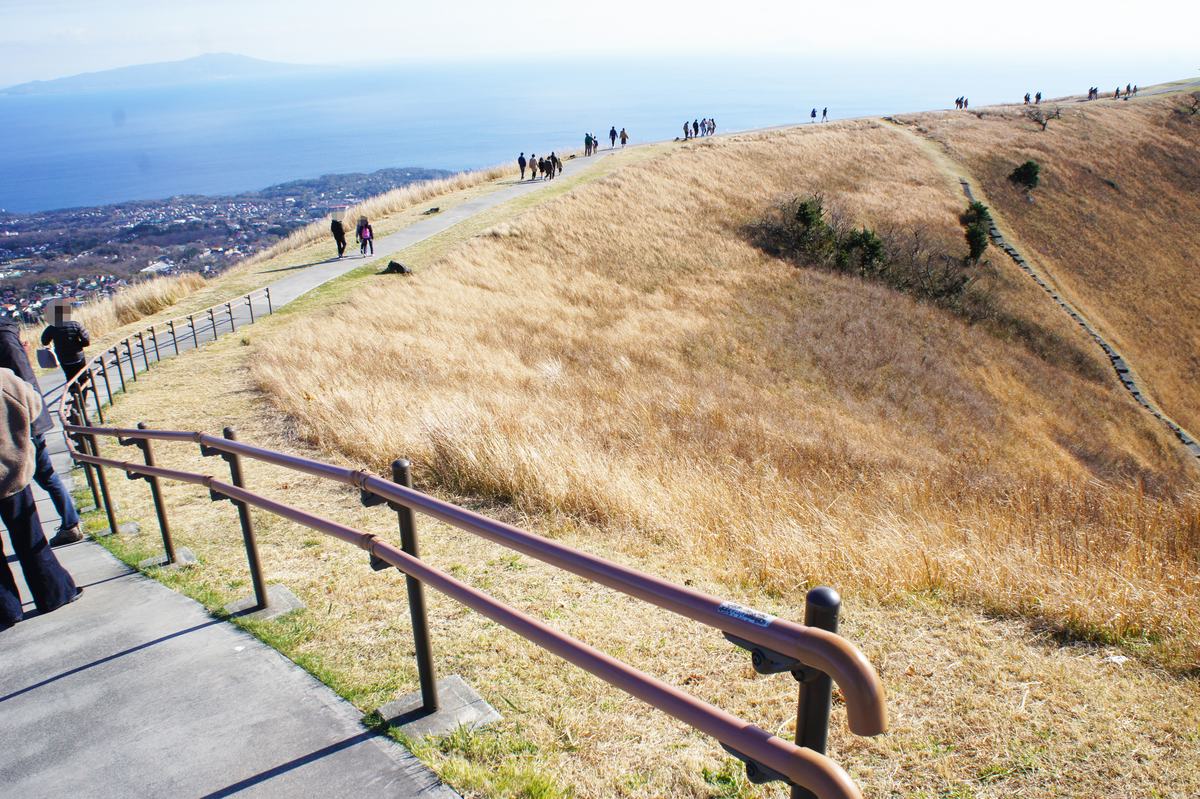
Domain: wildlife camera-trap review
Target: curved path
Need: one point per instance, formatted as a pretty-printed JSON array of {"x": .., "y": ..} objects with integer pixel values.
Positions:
[
  {"x": 136, "y": 691},
  {"x": 1125, "y": 372}
]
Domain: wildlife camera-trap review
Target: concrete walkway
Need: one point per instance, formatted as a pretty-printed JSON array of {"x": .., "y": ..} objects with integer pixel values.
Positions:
[{"x": 135, "y": 690}]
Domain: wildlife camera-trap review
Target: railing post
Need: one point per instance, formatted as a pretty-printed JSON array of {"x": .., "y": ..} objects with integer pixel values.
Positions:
[
  {"x": 402, "y": 474},
  {"x": 250, "y": 305},
  {"x": 212, "y": 319},
  {"x": 91, "y": 386},
  {"x": 104, "y": 374},
  {"x": 120, "y": 370},
  {"x": 145, "y": 355},
  {"x": 154, "y": 340},
  {"x": 94, "y": 449},
  {"x": 174, "y": 338},
  {"x": 159, "y": 508},
  {"x": 270, "y": 308},
  {"x": 821, "y": 608},
  {"x": 132, "y": 365},
  {"x": 80, "y": 443},
  {"x": 195, "y": 340},
  {"x": 229, "y": 308},
  {"x": 235, "y": 473}
]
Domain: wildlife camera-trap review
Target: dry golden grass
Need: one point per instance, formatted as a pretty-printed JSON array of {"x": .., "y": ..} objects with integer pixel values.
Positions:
[
  {"x": 1113, "y": 221},
  {"x": 654, "y": 373},
  {"x": 618, "y": 369},
  {"x": 131, "y": 304},
  {"x": 980, "y": 707}
]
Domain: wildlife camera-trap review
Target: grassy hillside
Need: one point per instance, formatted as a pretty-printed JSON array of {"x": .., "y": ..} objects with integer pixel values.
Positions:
[
  {"x": 620, "y": 367},
  {"x": 1113, "y": 220}
]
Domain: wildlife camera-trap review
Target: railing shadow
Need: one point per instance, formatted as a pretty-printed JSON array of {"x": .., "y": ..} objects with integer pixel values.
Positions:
[
  {"x": 106, "y": 659},
  {"x": 295, "y": 763}
]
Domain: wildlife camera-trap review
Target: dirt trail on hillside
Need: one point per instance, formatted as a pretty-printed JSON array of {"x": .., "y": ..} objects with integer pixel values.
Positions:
[{"x": 1126, "y": 373}]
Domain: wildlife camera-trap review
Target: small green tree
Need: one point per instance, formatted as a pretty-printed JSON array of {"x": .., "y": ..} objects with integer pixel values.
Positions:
[
  {"x": 976, "y": 221},
  {"x": 861, "y": 251},
  {"x": 1026, "y": 175}
]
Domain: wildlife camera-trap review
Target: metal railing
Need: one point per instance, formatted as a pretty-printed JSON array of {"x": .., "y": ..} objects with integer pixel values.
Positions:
[{"x": 812, "y": 652}]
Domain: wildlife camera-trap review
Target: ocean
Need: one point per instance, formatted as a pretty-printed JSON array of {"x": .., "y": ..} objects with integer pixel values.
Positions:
[{"x": 90, "y": 148}]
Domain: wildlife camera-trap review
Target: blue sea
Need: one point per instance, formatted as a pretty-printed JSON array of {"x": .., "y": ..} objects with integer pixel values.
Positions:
[{"x": 62, "y": 150}]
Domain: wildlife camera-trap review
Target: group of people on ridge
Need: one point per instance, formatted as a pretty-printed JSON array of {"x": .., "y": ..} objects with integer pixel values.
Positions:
[
  {"x": 1130, "y": 90},
  {"x": 591, "y": 143},
  {"x": 546, "y": 167},
  {"x": 812, "y": 117},
  {"x": 1037, "y": 98},
  {"x": 961, "y": 103},
  {"x": 24, "y": 459},
  {"x": 699, "y": 127}
]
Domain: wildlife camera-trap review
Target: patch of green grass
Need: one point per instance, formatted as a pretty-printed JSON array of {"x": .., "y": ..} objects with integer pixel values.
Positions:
[{"x": 728, "y": 781}]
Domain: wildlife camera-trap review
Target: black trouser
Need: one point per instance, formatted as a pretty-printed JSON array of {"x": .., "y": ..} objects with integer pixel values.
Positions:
[
  {"x": 72, "y": 369},
  {"x": 341, "y": 245},
  {"x": 50, "y": 584}
]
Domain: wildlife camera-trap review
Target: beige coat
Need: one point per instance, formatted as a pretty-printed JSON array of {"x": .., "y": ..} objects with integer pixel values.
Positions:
[{"x": 21, "y": 406}]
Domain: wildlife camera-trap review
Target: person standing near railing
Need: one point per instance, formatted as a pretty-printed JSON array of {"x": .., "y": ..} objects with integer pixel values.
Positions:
[
  {"x": 68, "y": 336},
  {"x": 50, "y": 584},
  {"x": 14, "y": 357}
]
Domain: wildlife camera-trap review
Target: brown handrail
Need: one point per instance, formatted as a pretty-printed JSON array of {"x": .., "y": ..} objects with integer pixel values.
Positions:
[
  {"x": 808, "y": 651},
  {"x": 866, "y": 709}
]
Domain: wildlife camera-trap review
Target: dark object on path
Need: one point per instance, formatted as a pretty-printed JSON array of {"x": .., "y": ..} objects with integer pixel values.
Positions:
[
  {"x": 430, "y": 211},
  {"x": 50, "y": 584},
  {"x": 339, "y": 236},
  {"x": 396, "y": 268}
]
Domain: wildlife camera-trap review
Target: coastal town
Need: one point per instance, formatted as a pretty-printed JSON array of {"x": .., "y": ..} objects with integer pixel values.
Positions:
[{"x": 83, "y": 253}]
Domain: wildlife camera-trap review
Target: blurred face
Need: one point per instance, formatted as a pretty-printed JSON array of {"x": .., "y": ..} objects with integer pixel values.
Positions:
[{"x": 57, "y": 313}]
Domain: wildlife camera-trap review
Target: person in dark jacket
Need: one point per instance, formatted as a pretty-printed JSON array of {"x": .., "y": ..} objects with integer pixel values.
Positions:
[
  {"x": 69, "y": 338},
  {"x": 612, "y": 135},
  {"x": 50, "y": 584},
  {"x": 13, "y": 356},
  {"x": 521, "y": 163},
  {"x": 339, "y": 236}
]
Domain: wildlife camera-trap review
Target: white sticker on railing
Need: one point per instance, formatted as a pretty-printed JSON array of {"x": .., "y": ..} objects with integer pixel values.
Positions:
[{"x": 743, "y": 613}]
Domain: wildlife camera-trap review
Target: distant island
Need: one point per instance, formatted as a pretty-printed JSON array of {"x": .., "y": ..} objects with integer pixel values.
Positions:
[
  {"x": 200, "y": 69},
  {"x": 85, "y": 252}
]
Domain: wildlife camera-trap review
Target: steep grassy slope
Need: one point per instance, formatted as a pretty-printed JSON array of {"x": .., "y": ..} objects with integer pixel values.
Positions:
[
  {"x": 622, "y": 356},
  {"x": 1113, "y": 220}
]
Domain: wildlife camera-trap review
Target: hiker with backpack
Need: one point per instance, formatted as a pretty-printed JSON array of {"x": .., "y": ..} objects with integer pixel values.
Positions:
[
  {"x": 49, "y": 583},
  {"x": 68, "y": 337},
  {"x": 13, "y": 356},
  {"x": 365, "y": 237}
]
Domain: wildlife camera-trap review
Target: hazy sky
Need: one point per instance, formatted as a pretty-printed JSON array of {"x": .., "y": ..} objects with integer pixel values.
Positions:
[{"x": 53, "y": 38}]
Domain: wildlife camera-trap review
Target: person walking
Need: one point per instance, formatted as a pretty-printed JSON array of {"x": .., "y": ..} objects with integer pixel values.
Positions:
[
  {"x": 68, "y": 336},
  {"x": 612, "y": 136},
  {"x": 812, "y": 117},
  {"x": 687, "y": 131},
  {"x": 13, "y": 356},
  {"x": 825, "y": 114},
  {"x": 624, "y": 137},
  {"x": 533, "y": 166},
  {"x": 695, "y": 128},
  {"x": 587, "y": 144},
  {"x": 521, "y": 163},
  {"x": 367, "y": 238},
  {"x": 1037, "y": 98},
  {"x": 339, "y": 235},
  {"x": 49, "y": 583}
]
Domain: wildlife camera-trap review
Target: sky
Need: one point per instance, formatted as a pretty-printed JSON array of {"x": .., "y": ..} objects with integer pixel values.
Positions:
[{"x": 55, "y": 38}]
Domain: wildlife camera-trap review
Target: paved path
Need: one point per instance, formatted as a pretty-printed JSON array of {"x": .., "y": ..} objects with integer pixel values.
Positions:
[{"x": 135, "y": 691}]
